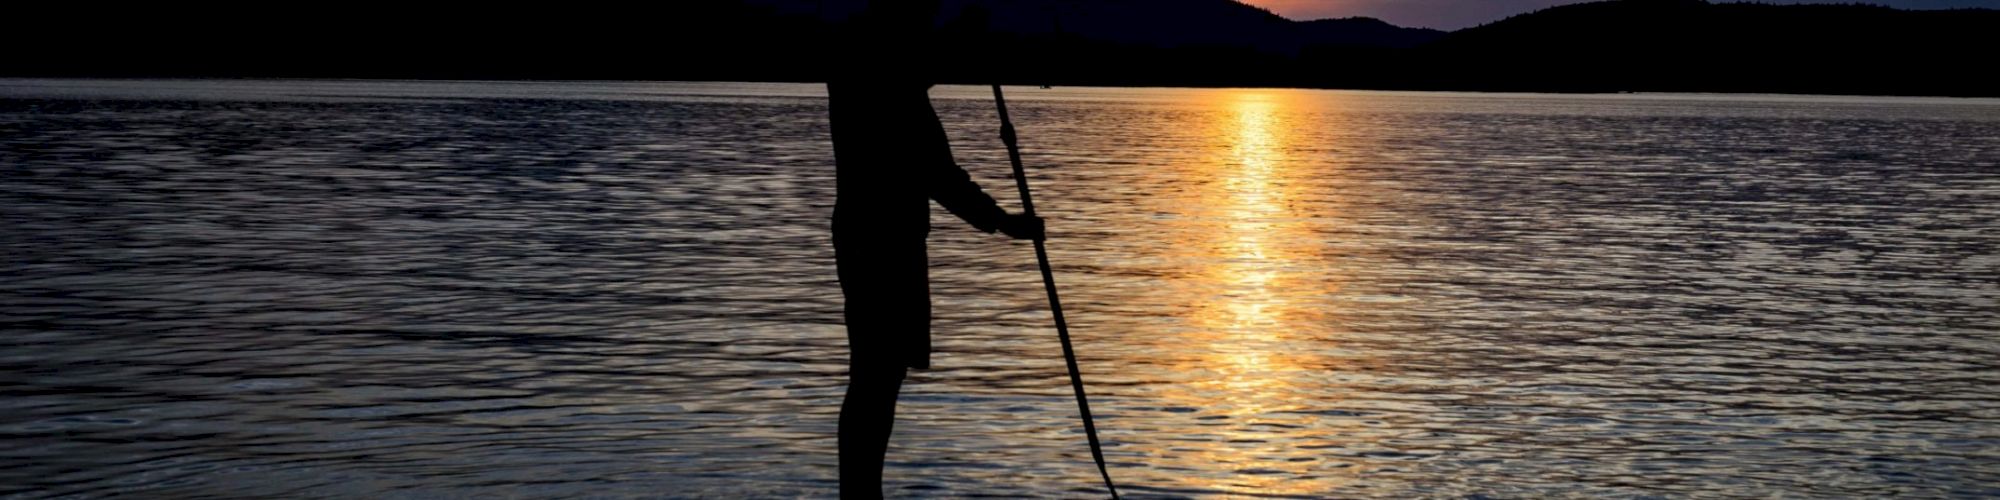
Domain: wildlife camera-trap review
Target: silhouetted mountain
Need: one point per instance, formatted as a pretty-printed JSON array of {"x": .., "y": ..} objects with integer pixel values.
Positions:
[
  {"x": 406, "y": 40},
  {"x": 1691, "y": 45},
  {"x": 1363, "y": 32},
  {"x": 1155, "y": 23},
  {"x": 1620, "y": 45}
]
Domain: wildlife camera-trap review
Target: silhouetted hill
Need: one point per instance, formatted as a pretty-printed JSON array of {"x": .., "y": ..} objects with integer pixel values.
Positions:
[
  {"x": 403, "y": 40},
  {"x": 1363, "y": 31},
  {"x": 1691, "y": 45},
  {"x": 1156, "y": 23},
  {"x": 1621, "y": 45}
]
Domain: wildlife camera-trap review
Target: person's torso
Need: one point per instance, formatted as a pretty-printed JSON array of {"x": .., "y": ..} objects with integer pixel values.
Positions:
[{"x": 884, "y": 136}]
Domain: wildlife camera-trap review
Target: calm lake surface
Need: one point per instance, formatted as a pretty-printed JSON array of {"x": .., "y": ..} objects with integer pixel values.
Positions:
[{"x": 468, "y": 289}]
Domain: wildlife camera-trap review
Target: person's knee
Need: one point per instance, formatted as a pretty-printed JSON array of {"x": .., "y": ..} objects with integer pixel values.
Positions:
[{"x": 876, "y": 376}]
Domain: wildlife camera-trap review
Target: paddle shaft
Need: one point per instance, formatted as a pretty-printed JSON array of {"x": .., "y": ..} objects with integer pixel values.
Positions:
[{"x": 1049, "y": 282}]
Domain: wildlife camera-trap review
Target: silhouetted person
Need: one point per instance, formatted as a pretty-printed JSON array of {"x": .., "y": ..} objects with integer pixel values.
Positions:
[{"x": 892, "y": 159}]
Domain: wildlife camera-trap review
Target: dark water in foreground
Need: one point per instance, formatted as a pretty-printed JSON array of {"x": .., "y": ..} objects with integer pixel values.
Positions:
[{"x": 381, "y": 289}]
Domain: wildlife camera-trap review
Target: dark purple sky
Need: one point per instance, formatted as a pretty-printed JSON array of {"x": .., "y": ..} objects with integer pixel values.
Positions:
[{"x": 1455, "y": 14}]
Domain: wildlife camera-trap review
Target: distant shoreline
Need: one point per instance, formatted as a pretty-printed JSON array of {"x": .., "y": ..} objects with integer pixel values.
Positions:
[{"x": 4, "y": 80}]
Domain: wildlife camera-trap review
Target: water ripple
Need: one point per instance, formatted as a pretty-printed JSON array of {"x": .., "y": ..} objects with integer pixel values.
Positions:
[{"x": 412, "y": 289}]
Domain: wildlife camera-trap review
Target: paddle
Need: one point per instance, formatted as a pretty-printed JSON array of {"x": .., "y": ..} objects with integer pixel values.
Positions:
[{"x": 1049, "y": 282}]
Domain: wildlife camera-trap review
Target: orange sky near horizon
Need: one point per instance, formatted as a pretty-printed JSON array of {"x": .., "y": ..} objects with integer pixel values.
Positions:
[{"x": 1439, "y": 14}]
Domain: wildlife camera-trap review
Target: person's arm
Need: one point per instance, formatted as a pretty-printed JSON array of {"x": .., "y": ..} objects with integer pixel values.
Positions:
[{"x": 952, "y": 187}]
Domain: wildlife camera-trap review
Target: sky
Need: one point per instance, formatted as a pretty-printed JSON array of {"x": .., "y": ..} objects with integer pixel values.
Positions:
[{"x": 1455, "y": 14}]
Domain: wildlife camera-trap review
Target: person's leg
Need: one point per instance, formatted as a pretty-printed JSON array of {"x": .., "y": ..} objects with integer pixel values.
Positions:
[
  {"x": 886, "y": 306},
  {"x": 867, "y": 416}
]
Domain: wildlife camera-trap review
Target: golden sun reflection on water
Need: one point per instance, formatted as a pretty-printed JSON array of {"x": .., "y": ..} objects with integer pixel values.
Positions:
[{"x": 1254, "y": 289}]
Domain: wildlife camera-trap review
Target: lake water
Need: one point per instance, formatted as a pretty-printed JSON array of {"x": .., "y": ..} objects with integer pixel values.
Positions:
[{"x": 424, "y": 289}]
